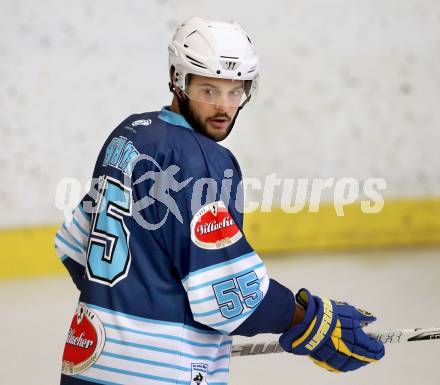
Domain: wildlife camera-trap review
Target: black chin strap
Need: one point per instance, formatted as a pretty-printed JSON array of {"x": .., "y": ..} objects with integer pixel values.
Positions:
[
  {"x": 183, "y": 103},
  {"x": 236, "y": 114}
]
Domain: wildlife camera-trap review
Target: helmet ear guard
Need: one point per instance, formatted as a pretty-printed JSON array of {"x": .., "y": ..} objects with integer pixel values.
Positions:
[{"x": 173, "y": 86}]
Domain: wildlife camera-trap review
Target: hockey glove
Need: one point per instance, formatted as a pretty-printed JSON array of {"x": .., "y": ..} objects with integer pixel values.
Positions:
[{"x": 331, "y": 334}]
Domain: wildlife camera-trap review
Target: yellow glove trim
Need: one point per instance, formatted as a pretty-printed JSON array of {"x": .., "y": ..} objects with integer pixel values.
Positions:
[
  {"x": 324, "y": 365},
  {"x": 301, "y": 339},
  {"x": 340, "y": 344}
]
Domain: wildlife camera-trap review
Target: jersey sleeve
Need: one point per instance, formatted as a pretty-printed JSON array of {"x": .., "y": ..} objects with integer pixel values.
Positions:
[
  {"x": 71, "y": 243},
  {"x": 226, "y": 282}
]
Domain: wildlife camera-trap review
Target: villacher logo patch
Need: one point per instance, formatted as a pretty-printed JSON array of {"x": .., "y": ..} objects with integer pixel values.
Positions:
[
  {"x": 213, "y": 227},
  {"x": 84, "y": 343}
]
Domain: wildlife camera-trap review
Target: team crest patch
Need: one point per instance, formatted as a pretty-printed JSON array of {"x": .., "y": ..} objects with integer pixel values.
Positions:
[
  {"x": 141, "y": 122},
  {"x": 213, "y": 227},
  {"x": 84, "y": 343},
  {"x": 199, "y": 373}
]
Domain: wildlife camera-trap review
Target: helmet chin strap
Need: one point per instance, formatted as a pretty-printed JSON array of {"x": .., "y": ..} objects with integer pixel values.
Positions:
[
  {"x": 183, "y": 103},
  {"x": 236, "y": 114}
]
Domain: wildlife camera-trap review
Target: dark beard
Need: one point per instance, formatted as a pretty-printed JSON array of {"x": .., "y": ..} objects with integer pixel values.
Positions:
[{"x": 196, "y": 123}]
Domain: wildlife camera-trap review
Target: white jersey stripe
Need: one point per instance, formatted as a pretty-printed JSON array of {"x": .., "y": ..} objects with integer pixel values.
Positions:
[
  {"x": 71, "y": 236},
  {"x": 80, "y": 228},
  {"x": 207, "y": 292},
  {"x": 160, "y": 352},
  {"x": 168, "y": 351},
  {"x": 211, "y": 300},
  {"x": 107, "y": 315},
  {"x": 220, "y": 270},
  {"x": 206, "y": 269},
  {"x": 64, "y": 248},
  {"x": 226, "y": 277},
  {"x": 167, "y": 336}
]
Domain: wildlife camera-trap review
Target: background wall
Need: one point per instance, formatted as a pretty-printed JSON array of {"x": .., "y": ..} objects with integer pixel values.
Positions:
[{"x": 347, "y": 89}]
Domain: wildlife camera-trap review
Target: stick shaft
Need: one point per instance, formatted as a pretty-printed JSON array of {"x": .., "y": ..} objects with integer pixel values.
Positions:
[{"x": 385, "y": 336}]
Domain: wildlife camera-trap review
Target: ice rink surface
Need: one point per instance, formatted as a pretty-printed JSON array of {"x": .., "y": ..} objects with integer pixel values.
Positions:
[{"x": 400, "y": 287}]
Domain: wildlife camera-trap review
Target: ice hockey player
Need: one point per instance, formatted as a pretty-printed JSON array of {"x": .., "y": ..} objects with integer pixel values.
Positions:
[{"x": 157, "y": 250}]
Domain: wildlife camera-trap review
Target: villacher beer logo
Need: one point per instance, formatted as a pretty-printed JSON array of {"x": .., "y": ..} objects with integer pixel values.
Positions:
[
  {"x": 213, "y": 227},
  {"x": 84, "y": 343}
]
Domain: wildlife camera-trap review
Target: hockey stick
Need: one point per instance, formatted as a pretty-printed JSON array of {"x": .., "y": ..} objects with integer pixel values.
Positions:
[{"x": 386, "y": 336}]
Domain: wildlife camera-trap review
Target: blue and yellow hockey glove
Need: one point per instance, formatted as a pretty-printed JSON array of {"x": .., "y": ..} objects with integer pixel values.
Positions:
[{"x": 331, "y": 334}]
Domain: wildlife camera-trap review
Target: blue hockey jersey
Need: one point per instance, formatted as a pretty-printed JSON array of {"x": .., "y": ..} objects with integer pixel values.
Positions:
[{"x": 165, "y": 273}]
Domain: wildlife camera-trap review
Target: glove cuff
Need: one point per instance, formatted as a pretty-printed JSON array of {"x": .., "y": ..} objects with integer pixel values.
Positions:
[
  {"x": 314, "y": 330},
  {"x": 305, "y": 299}
]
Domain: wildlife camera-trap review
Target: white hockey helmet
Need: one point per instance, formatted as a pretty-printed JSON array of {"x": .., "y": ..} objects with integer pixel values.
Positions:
[{"x": 214, "y": 49}]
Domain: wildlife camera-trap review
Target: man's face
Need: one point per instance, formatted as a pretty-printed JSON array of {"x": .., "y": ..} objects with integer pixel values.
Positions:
[{"x": 213, "y": 104}]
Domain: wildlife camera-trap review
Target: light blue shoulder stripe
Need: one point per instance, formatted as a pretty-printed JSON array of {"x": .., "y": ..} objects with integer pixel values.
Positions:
[
  {"x": 58, "y": 236},
  {"x": 168, "y": 336},
  {"x": 221, "y": 264},
  {"x": 224, "y": 278}
]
